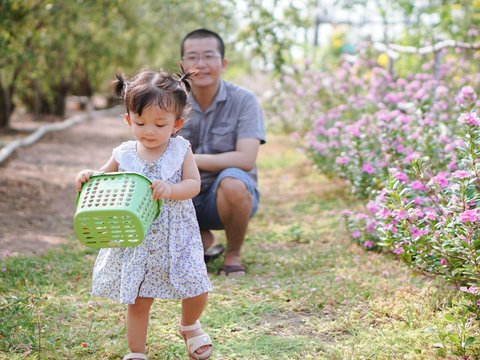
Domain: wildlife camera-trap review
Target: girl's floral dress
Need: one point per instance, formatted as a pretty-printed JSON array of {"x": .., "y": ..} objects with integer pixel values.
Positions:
[{"x": 169, "y": 263}]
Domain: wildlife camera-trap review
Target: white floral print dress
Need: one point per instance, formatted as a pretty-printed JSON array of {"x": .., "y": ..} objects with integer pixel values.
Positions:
[{"x": 169, "y": 263}]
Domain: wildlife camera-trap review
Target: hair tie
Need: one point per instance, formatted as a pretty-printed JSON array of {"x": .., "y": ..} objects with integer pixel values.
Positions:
[{"x": 184, "y": 78}]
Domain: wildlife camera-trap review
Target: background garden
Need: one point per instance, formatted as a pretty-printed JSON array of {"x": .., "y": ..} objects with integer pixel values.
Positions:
[{"x": 367, "y": 245}]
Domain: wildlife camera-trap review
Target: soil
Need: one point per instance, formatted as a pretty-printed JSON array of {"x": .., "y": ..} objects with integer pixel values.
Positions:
[{"x": 37, "y": 193}]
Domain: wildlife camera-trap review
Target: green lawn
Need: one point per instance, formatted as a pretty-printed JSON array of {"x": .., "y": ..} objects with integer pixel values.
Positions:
[{"x": 310, "y": 292}]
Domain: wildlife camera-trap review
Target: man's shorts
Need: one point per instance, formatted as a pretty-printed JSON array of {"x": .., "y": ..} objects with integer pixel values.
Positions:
[{"x": 206, "y": 202}]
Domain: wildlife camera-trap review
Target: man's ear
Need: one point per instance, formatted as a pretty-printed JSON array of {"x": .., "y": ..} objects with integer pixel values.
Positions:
[
  {"x": 127, "y": 118},
  {"x": 178, "y": 125},
  {"x": 224, "y": 64}
]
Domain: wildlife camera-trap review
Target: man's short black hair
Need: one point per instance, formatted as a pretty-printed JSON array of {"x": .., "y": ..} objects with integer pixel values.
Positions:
[{"x": 201, "y": 34}]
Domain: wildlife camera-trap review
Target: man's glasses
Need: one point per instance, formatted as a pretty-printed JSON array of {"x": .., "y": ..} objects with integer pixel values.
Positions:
[{"x": 195, "y": 58}]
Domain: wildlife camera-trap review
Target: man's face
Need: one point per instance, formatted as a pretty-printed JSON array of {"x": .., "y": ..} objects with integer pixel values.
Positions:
[{"x": 203, "y": 55}]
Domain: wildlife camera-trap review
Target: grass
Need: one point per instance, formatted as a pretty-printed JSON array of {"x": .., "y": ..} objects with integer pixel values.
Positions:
[{"x": 310, "y": 292}]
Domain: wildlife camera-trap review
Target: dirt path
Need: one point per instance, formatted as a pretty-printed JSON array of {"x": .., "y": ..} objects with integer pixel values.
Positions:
[{"x": 36, "y": 184}]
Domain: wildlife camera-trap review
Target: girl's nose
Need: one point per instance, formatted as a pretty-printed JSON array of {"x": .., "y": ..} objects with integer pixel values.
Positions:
[{"x": 150, "y": 130}]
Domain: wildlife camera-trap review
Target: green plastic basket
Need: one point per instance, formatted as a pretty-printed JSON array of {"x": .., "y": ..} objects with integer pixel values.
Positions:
[{"x": 115, "y": 210}]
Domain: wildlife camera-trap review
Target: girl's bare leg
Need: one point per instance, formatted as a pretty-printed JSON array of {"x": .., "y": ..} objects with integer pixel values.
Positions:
[
  {"x": 137, "y": 324},
  {"x": 192, "y": 309}
]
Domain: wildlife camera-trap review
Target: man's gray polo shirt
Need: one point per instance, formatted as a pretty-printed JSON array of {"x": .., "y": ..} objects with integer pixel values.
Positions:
[{"x": 234, "y": 114}]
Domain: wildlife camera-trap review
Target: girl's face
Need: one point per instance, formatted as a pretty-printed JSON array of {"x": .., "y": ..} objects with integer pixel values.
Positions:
[{"x": 154, "y": 128}]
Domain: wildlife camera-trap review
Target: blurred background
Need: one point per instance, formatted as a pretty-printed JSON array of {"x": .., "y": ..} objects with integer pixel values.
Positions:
[{"x": 50, "y": 50}]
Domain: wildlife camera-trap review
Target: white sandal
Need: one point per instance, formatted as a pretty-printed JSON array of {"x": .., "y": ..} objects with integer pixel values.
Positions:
[
  {"x": 196, "y": 342},
  {"x": 135, "y": 356}
]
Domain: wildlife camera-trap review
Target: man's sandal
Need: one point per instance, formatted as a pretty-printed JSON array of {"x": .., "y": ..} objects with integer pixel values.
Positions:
[
  {"x": 232, "y": 270},
  {"x": 135, "y": 356},
  {"x": 196, "y": 342}
]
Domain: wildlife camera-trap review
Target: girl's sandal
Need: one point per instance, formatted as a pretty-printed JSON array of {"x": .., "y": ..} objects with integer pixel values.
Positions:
[
  {"x": 135, "y": 356},
  {"x": 196, "y": 342}
]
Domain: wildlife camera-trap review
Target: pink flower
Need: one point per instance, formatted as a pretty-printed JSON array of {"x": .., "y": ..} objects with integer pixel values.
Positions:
[
  {"x": 361, "y": 216},
  {"x": 398, "y": 250},
  {"x": 369, "y": 244},
  {"x": 452, "y": 165},
  {"x": 371, "y": 226},
  {"x": 342, "y": 160},
  {"x": 469, "y": 216},
  {"x": 401, "y": 177},
  {"x": 471, "y": 290},
  {"x": 372, "y": 207},
  {"x": 385, "y": 213},
  {"x": 461, "y": 174},
  {"x": 346, "y": 213},
  {"x": 418, "y": 201},
  {"x": 443, "y": 261},
  {"x": 417, "y": 185},
  {"x": 441, "y": 180},
  {"x": 391, "y": 228},
  {"x": 408, "y": 159},
  {"x": 466, "y": 96},
  {"x": 470, "y": 118},
  {"x": 416, "y": 233},
  {"x": 400, "y": 214},
  {"x": 430, "y": 215},
  {"x": 368, "y": 168},
  {"x": 356, "y": 234}
]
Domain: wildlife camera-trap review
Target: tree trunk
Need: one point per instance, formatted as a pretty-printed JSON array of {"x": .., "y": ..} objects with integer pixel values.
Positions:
[
  {"x": 6, "y": 106},
  {"x": 60, "y": 93}
]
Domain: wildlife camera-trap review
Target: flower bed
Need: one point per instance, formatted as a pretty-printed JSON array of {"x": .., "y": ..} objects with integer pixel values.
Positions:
[{"x": 409, "y": 146}]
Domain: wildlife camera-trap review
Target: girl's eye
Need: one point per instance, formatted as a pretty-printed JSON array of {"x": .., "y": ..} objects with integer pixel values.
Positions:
[
  {"x": 160, "y": 126},
  {"x": 138, "y": 124}
]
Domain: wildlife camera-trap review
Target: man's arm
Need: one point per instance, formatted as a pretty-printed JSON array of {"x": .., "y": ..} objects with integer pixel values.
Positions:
[{"x": 243, "y": 157}]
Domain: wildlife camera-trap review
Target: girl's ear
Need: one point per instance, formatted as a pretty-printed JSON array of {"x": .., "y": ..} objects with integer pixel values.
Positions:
[
  {"x": 178, "y": 125},
  {"x": 127, "y": 118}
]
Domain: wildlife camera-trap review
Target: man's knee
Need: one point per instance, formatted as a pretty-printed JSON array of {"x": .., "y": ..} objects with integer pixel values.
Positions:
[{"x": 234, "y": 190}]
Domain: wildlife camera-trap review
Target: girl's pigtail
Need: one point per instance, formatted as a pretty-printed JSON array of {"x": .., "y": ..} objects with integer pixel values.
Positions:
[
  {"x": 185, "y": 76},
  {"x": 120, "y": 87}
]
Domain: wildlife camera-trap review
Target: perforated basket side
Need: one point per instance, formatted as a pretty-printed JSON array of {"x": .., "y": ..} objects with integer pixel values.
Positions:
[
  {"x": 108, "y": 192},
  {"x": 103, "y": 230}
]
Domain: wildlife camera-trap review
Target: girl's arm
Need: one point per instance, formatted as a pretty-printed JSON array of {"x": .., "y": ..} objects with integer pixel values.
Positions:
[
  {"x": 110, "y": 166},
  {"x": 185, "y": 189}
]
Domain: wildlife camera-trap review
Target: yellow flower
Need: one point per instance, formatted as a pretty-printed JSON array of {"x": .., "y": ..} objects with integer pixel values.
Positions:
[
  {"x": 383, "y": 60},
  {"x": 337, "y": 43}
]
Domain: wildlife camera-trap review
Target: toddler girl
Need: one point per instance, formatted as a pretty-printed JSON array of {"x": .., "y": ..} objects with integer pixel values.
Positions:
[{"x": 169, "y": 263}]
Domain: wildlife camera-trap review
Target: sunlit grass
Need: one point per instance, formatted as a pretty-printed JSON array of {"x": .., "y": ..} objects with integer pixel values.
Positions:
[{"x": 310, "y": 292}]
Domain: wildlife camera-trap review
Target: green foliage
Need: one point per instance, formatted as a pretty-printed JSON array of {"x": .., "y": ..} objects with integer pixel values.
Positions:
[
  {"x": 271, "y": 31},
  {"x": 51, "y": 49}
]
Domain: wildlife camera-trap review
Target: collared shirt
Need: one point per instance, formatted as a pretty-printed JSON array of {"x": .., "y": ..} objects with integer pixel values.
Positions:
[{"x": 234, "y": 114}]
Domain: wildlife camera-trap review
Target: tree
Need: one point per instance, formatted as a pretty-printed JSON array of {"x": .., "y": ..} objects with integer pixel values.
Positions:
[{"x": 49, "y": 50}]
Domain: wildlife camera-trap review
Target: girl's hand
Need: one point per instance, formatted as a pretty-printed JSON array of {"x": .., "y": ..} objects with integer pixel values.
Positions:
[
  {"x": 161, "y": 190},
  {"x": 82, "y": 177}
]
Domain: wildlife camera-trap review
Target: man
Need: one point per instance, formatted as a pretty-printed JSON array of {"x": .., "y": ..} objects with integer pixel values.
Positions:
[{"x": 225, "y": 128}]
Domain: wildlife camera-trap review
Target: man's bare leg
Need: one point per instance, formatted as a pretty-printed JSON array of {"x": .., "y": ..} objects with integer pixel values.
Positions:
[
  {"x": 234, "y": 205},
  {"x": 207, "y": 239}
]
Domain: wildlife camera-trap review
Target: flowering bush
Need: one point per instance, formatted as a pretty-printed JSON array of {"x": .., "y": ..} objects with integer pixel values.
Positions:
[
  {"x": 362, "y": 121},
  {"x": 402, "y": 146},
  {"x": 431, "y": 217}
]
